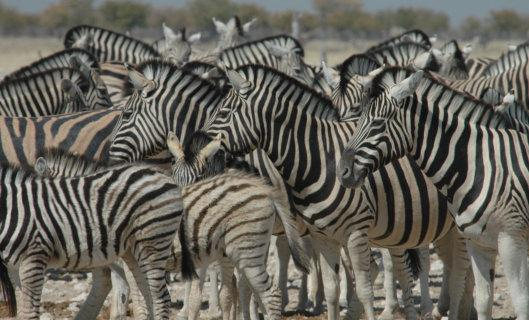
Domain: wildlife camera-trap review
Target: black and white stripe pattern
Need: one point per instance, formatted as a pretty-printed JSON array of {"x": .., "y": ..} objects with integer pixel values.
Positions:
[
  {"x": 508, "y": 60},
  {"x": 415, "y": 36},
  {"x": 107, "y": 45},
  {"x": 473, "y": 157},
  {"x": 88, "y": 222}
]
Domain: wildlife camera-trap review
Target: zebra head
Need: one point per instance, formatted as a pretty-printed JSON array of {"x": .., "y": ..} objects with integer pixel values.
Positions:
[
  {"x": 383, "y": 133},
  {"x": 291, "y": 63},
  {"x": 177, "y": 46},
  {"x": 231, "y": 33},
  {"x": 74, "y": 97},
  {"x": 198, "y": 158},
  {"x": 349, "y": 90},
  {"x": 96, "y": 95},
  {"x": 235, "y": 119}
]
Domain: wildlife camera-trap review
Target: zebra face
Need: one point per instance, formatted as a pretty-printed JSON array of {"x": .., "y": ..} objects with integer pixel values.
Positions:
[
  {"x": 97, "y": 96},
  {"x": 348, "y": 98},
  {"x": 383, "y": 134}
]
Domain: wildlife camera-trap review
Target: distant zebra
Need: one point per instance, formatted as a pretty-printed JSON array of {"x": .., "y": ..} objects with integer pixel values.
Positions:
[
  {"x": 232, "y": 32},
  {"x": 80, "y": 224},
  {"x": 474, "y": 158},
  {"x": 301, "y": 134},
  {"x": 54, "y": 91},
  {"x": 60, "y": 59},
  {"x": 107, "y": 45},
  {"x": 415, "y": 36}
]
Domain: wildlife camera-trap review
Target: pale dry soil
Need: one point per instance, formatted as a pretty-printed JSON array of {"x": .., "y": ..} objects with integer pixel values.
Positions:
[{"x": 63, "y": 295}]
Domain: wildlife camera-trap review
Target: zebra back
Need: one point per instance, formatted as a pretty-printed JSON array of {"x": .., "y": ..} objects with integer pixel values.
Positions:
[
  {"x": 257, "y": 52},
  {"x": 399, "y": 54},
  {"x": 60, "y": 59},
  {"x": 415, "y": 36},
  {"x": 508, "y": 60},
  {"x": 107, "y": 45},
  {"x": 50, "y": 92}
]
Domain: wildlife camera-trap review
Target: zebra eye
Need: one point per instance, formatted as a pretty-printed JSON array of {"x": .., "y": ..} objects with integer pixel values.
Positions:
[
  {"x": 378, "y": 122},
  {"x": 127, "y": 113}
]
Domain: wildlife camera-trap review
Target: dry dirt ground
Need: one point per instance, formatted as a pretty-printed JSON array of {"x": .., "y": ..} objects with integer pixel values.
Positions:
[{"x": 62, "y": 297}]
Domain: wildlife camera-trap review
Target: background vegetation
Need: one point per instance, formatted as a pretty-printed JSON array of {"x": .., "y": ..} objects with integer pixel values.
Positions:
[{"x": 344, "y": 19}]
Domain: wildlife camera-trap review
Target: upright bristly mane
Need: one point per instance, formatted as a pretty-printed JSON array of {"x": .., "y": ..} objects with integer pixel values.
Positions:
[
  {"x": 256, "y": 74},
  {"x": 357, "y": 64},
  {"x": 462, "y": 104},
  {"x": 298, "y": 47}
]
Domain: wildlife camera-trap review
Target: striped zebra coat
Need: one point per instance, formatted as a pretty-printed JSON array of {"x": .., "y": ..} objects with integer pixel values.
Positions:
[
  {"x": 107, "y": 45},
  {"x": 88, "y": 222},
  {"x": 473, "y": 157},
  {"x": 415, "y": 36},
  {"x": 54, "y": 91},
  {"x": 283, "y": 127}
]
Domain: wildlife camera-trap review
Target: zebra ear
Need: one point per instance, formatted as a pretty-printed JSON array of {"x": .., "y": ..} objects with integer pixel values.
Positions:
[
  {"x": 211, "y": 148},
  {"x": 467, "y": 50},
  {"x": 506, "y": 102},
  {"x": 139, "y": 81},
  {"x": 239, "y": 83},
  {"x": 276, "y": 50},
  {"x": 367, "y": 80},
  {"x": 246, "y": 27},
  {"x": 174, "y": 146},
  {"x": 219, "y": 26},
  {"x": 330, "y": 75},
  {"x": 406, "y": 87},
  {"x": 41, "y": 166},
  {"x": 195, "y": 37},
  {"x": 169, "y": 34}
]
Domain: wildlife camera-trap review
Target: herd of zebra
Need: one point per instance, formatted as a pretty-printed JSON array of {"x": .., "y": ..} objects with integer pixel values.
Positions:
[{"x": 130, "y": 160}]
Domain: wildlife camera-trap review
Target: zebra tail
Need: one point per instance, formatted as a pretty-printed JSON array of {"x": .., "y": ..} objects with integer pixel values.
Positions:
[
  {"x": 292, "y": 227},
  {"x": 187, "y": 265},
  {"x": 413, "y": 260},
  {"x": 8, "y": 291}
]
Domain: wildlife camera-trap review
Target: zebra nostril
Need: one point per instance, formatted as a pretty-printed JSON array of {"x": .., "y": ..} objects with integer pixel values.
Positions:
[{"x": 345, "y": 172}]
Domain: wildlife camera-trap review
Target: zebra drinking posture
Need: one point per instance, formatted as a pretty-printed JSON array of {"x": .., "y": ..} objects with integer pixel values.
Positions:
[
  {"x": 471, "y": 154},
  {"x": 301, "y": 133},
  {"x": 88, "y": 222}
]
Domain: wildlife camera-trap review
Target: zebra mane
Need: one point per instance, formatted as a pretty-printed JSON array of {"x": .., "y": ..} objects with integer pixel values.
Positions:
[
  {"x": 83, "y": 83},
  {"x": 406, "y": 46},
  {"x": 520, "y": 55},
  {"x": 357, "y": 64},
  {"x": 63, "y": 156},
  {"x": 470, "y": 108},
  {"x": 93, "y": 63},
  {"x": 298, "y": 48},
  {"x": 70, "y": 37},
  {"x": 411, "y": 35},
  {"x": 324, "y": 103},
  {"x": 157, "y": 68}
]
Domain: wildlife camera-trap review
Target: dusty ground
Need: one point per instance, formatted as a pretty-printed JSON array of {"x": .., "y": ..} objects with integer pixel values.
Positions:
[{"x": 61, "y": 298}]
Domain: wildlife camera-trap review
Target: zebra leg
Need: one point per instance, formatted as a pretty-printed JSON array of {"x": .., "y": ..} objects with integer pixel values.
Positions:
[
  {"x": 195, "y": 295},
  {"x": 315, "y": 281},
  {"x": 244, "y": 296},
  {"x": 182, "y": 314},
  {"x": 405, "y": 278},
  {"x": 268, "y": 294},
  {"x": 330, "y": 269},
  {"x": 214, "y": 307},
  {"x": 228, "y": 291},
  {"x": 353, "y": 305},
  {"x": 424, "y": 278},
  {"x": 140, "y": 309},
  {"x": 96, "y": 298},
  {"x": 444, "y": 251},
  {"x": 483, "y": 262},
  {"x": 282, "y": 259},
  {"x": 389, "y": 286},
  {"x": 513, "y": 255},
  {"x": 360, "y": 254},
  {"x": 31, "y": 273},
  {"x": 119, "y": 300}
]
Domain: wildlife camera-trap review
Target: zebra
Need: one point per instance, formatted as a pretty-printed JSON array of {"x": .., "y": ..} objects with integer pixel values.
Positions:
[
  {"x": 247, "y": 193},
  {"x": 508, "y": 60},
  {"x": 59, "y": 59},
  {"x": 347, "y": 217},
  {"x": 485, "y": 185},
  {"x": 176, "y": 44},
  {"x": 107, "y": 45},
  {"x": 415, "y": 36},
  {"x": 476, "y": 66},
  {"x": 79, "y": 223},
  {"x": 55, "y": 91},
  {"x": 232, "y": 32}
]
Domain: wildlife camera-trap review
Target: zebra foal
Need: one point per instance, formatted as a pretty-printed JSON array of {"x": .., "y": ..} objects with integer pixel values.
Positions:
[{"x": 85, "y": 223}]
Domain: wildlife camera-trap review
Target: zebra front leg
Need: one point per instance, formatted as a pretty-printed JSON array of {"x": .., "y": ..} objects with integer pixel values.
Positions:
[
  {"x": 483, "y": 262},
  {"x": 330, "y": 269},
  {"x": 513, "y": 255},
  {"x": 195, "y": 295},
  {"x": 315, "y": 284},
  {"x": 119, "y": 299},
  {"x": 213, "y": 301},
  {"x": 31, "y": 273},
  {"x": 424, "y": 278},
  {"x": 405, "y": 278},
  {"x": 98, "y": 293},
  {"x": 391, "y": 302},
  {"x": 282, "y": 259},
  {"x": 360, "y": 254},
  {"x": 353, "y": 305}
]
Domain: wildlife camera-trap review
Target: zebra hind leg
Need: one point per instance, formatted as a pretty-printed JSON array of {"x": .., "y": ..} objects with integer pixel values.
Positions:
[
  {"x": 119, "y": 299},
  {"x": 214, "y": 307},
  {"x": 424, "y": 278},
  {"x": 96, "y": 298},
  {"x": 513, "y": 255},
  {"x": 228, "y": 291},
  {"x": 269, "y": 296},
  {"x": 483, "y": 262},
  {"x": 282, "y": 259}
]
